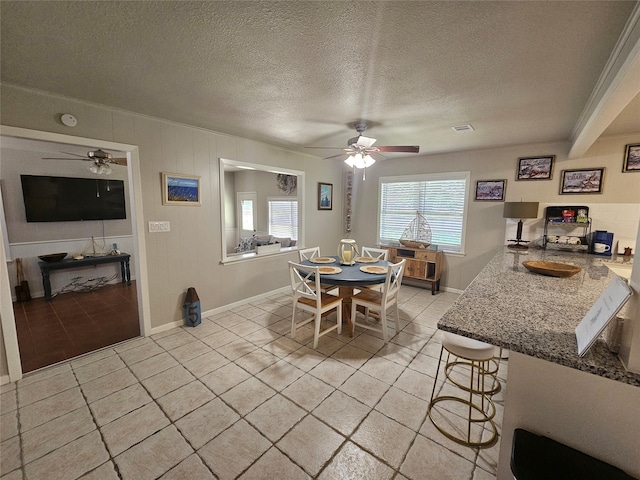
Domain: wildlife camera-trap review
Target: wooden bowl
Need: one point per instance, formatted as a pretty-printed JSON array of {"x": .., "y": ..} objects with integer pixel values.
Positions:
[
  {"x": 553, "y": 269},
  {"x": 52, "y": 257},
  {"x": 414, "y": 244}
]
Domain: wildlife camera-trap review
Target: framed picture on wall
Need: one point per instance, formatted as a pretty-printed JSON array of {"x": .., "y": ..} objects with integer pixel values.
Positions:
[
  {"x": 631, "y": 158},
  {"x": 535, "y": 168},
  {"x": 325, "y": 196},
  {"x": 179, "y": 189},
  {"x": 582, "y": 181},
  {"x": 490, "y": 190}
]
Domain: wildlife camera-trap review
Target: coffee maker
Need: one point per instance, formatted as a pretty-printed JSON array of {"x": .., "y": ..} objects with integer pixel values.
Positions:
[{"x": 601, "y": 243}]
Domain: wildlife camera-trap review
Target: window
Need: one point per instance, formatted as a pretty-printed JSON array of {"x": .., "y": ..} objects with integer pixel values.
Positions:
[
  {"x": 441, "y": 198},
  {"x": 283, "y": 217},
  {"x": 247, "y": 213}
]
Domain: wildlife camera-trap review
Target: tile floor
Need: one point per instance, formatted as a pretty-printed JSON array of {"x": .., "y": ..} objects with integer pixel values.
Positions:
[{"x": 236, "y": 397}]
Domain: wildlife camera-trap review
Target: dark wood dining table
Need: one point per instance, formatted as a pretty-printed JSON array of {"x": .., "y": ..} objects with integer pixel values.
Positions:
[{"x": 349, "y": 279}]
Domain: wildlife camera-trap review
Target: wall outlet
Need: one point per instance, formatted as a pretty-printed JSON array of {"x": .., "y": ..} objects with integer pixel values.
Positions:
[{"x": 156, "y": 227}]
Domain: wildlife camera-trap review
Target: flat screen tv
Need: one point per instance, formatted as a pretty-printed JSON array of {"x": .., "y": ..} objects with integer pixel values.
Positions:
[{"x": 64, "y": 199}]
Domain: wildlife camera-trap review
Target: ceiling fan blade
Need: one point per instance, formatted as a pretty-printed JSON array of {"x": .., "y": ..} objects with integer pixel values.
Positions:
[
  {"x": 402, "y": 149},
  {"x": 365, "y": 141},
  {"x": 329, "y": 148},
  {"x": 75, "y": 155},
  {"x": 119, "y": 161},
  {"x": 335, "y": 156},
  {"x": 59, "y": 158}
]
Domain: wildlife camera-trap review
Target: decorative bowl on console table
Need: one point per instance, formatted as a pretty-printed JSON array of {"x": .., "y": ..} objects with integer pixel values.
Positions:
[{"x": 52, "y": 257}]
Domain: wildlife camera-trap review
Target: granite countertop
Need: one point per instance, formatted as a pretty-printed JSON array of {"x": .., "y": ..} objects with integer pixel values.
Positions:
[{"x": 536, "y": 315}]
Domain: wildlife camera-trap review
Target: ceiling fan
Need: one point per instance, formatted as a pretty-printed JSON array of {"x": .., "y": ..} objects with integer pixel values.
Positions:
[
  {"x": 101, "y": 161},
  {"x": 359, "y": 149}
]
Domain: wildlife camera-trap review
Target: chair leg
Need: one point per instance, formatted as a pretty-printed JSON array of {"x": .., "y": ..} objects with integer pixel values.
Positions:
[
  {"x": 354, "y": 311},
  {"x": 316, "y": 334},
  {"x": 383, "y": 323},
  {"x": 397, "y": 317},
  {"x": 339, "y": 316},
  {"x": 293, "y": 322}
]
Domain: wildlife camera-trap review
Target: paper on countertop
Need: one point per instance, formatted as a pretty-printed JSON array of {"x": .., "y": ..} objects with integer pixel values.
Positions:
[{"x": 625, "y": 242}]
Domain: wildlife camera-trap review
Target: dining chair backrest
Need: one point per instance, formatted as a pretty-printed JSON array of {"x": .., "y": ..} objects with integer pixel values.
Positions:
[
  {"x": 309, "y": 253},
  {"x": 379, "y": 253},
  {"x": 302, "y": 283},
  {"x": 393, "y": 281}
]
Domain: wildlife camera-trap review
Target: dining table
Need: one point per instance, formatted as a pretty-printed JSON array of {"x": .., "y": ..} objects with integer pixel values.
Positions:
[{"x": 350, "y": 278}]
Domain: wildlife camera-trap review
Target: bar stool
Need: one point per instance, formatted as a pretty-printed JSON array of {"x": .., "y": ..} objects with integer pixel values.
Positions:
[{"x": 475, "y": 358}]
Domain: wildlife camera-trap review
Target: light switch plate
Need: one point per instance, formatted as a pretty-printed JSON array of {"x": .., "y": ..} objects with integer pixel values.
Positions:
[{"x": 158, "y": 227}]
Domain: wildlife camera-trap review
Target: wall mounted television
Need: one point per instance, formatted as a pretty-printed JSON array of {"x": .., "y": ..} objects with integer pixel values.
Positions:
[{"x": 65, "y": 199}]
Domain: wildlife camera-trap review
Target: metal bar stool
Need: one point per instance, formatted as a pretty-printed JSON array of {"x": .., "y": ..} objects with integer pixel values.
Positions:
[{"x": 474, "y": 357}]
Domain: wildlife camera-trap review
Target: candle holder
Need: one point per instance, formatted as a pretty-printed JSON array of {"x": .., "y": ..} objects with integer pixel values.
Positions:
[{"x": 347, "y": 251}]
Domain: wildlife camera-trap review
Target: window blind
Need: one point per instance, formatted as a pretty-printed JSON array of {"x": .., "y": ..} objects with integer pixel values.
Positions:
[
  {"x": 441, "y": 200},
  {"x": 283, "y": 218}
]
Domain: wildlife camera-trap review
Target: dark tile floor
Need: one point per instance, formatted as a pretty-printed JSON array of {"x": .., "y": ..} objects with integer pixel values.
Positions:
[{"x": 74, "y": 323}]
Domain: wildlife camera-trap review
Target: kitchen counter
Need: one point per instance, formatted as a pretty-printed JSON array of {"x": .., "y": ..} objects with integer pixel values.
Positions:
[{"x": 536, "y": 315}]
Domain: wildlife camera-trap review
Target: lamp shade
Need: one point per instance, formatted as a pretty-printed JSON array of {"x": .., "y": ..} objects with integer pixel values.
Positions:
[{"x": 520, "y": 210}]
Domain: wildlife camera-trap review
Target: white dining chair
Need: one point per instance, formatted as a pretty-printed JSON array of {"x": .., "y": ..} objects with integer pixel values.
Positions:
[
  {"x": 309, "y": 253},
  {"x": 379, "y": 253},
  {"x": 379, "y": 302},
  {"x": 308, "y": 297}
]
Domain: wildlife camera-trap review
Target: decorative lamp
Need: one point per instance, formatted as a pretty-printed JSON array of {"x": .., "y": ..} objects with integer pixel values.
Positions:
[
  {"x": 347, "y": 251},
  {"x": 520, "y": 210}
]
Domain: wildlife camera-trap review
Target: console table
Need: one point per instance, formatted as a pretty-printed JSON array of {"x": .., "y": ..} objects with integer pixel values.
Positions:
[
  {"x": 422, "y": 264},
  {"x": 47, "y": 267}
]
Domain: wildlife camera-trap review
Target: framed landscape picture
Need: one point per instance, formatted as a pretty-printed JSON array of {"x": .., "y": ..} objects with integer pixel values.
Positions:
[
  {"x": 632, "y": 158},
  {"x": 179, "y": 189},
  {"x": 588, "y": 180},
  {"x": 535, "y": 168},
  {"x": 325, "y": 196},
  {"x": 490, "y": 190}
]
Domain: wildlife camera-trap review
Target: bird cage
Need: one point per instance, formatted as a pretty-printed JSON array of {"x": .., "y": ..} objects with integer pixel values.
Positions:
[{"x": 417, "y": 234}]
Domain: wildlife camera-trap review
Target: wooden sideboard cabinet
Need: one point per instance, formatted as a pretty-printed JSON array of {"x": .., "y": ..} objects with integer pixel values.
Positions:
[{"x": 422, "y": 264}]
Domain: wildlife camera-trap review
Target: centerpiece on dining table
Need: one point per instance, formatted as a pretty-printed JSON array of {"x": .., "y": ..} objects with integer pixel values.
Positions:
[{"x": 347, "y": 251}]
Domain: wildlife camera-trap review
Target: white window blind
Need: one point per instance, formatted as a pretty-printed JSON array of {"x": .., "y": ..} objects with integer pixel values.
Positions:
[
  {"x": 283, "y": 218},
  {"x": 441, "y": 199}
]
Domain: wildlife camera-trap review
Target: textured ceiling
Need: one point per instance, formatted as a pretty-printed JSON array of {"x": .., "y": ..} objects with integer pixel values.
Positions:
[{"x": 298, "y": 73}]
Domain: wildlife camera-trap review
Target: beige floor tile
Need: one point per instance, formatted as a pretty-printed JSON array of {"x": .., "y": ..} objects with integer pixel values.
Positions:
[
  {"x": 204, "y": 423},
  {"x": 308, "y": 392},
  {"x": 205, "y": 364},
  {"x": 236, "y": 349},
  {"x": 49, "y": 408},
  {"x": 480, "y": 474},
  {"x": 206, "y": 328},
  {"x": 228, "y": 319},
  {"x": 382, "y": 369},
  {"x": 419, "y": 330},
  {"x": 262, "y": 337},
  {"x": 45, "y": 438},
  {"x": 275, "y": 465},
  {"x": 342, "y": 412},
  {"x": 305, "y": 358},
  {"x": 424, "y": 364},
  {"x": 190, "y": 351},
  {"x": 175, "y": 340},
  {"x": 385, "y": 438},
  {"x": 247, "y": 395},
  {"x": 427, "y": 456},
  {"x": 234, "y": 450},
  {"x": 185, "y": 399},
  {"x": 8, "y": 401},
  {"x": 351, "y": 462},
  {"x": 70, "y": 461},
  {"x": 191, "y": 468},
  {"x": 167, "y": 381},
  {"x": 311, "y": 444},
  {"x": 120, "y": 403},
  {"x": 15, "y": 475},
  {"x": 46, "y": 372},
  {"x": 415, "y": 383},
  {"x": 92, "y": 357},
  {"x": 275, "y": 417},
  {"x": 353, "y": 356},
  {"x": 220, "y": 339},
  {"x": 133, "y": 427},
  {"x": 8, "y": 425},
  {"x": 133, "y": 343},
  {"x": 256, "y": 361},
  {"x": 224, "y": 378},
  {"x": 282, "y": 346},
  {"x": 245, "y": 328},
  {"x": 364, "y": 388},
  {"x": 332, "y": 372},
  {"x": 154, "y": 456},
  {"x": 154, "y": 365},
  {"x": 98, "y": 369},
  {"x": 404, "y": 408},
  {"x": 397, "y": 353},
  {"x": 280, "y": 375},
  {"x": 410, "y": 341},
  {"x": 367, "y": 342},
  {"x": 10, "y": 455},
  {"x": 45, "y": 388},
  {"x": 106, "y": 471},
  {"x": 105, "y": 386}
]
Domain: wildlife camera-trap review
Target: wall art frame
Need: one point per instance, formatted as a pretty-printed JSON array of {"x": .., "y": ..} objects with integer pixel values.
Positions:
[
  {"x": 584, "y": 180},
  {"x": 490, "y": 190},
  {"x": 535, "y": 168},
  {"x": 180, "y": 189},
  {"x": 631, "y": 158},
  {"x": 325, "y": 196}
]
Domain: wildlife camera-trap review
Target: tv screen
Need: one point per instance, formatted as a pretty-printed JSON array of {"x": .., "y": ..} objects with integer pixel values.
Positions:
[{"x": 64, "y": 199}]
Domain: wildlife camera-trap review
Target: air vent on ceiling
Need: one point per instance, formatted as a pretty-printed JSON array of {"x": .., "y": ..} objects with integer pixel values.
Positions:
[{"x": 462, "y": 128}]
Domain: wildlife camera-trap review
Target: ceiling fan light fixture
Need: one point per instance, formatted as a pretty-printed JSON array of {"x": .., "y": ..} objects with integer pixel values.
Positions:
[
  {"x": 100, "y": 169},
  {"x": 358, "y": 160}
]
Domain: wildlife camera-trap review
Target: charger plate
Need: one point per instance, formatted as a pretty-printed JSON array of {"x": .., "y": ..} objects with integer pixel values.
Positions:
[
  {"x": 322, "y": 260},
  {"x": 553, "y": 269},
  {"x": 329, "y": 270},
  {"x": 366, "y": 259},
  {"x": 374, "y": 269}
]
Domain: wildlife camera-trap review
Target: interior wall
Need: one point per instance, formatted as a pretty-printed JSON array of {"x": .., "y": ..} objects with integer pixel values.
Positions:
[{"x": 485, "y": 224}]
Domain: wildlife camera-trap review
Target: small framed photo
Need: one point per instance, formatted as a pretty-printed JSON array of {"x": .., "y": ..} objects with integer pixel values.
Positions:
[
  {"x": 582, "y": 181},
  {"x": 632, "y": 158},
  {"x": 535, "y": 168},
  {"x": 490, "y": 190},
  {"x": 179, "y": 189},
  {"x": 325, "y": 196}
]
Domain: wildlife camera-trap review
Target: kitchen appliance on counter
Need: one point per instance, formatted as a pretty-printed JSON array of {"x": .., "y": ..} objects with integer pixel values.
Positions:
[{"x": 601, "y": 243}]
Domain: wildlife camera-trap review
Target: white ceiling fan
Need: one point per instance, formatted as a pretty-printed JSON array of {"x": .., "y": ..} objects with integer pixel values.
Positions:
[
  {"x": 101, "y": 161},
  {"x": 360, "y": 149}
]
